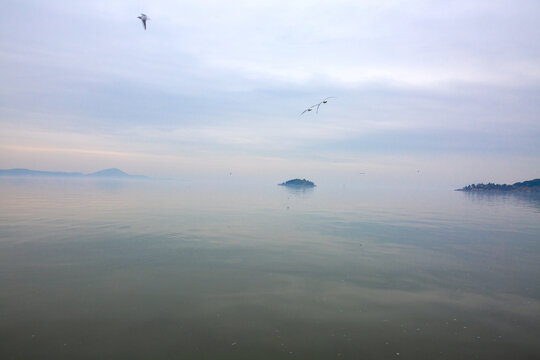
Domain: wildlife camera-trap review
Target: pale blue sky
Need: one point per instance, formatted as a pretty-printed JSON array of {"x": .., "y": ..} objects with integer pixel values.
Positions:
[{"x": 452, "y": 88}]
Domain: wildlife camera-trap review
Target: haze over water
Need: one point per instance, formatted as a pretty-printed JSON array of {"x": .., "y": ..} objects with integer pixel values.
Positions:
[{"x": 161, "y": 269}]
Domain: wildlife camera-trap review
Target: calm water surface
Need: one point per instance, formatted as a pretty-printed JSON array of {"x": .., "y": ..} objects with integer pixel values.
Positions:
[{"x": 181, "y": 270}]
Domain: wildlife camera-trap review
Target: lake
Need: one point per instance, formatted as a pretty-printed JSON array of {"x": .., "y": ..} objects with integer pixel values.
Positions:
[{"x": 95, "y": 269}]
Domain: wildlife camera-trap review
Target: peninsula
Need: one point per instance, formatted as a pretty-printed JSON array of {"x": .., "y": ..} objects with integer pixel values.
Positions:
[
  {"x": 530, "y": 186},
  {"x": 298, "y": 183}
]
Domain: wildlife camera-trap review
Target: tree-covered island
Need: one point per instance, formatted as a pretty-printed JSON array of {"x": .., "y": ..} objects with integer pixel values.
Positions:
[
  {"x": 525, "y": 186},
  {"x": 298, "y": 183}
]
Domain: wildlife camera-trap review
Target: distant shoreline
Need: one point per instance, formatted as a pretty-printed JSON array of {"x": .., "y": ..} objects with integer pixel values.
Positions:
[
  {"x": 112, "y": 173},
  {"x": 530, "y": 186}
]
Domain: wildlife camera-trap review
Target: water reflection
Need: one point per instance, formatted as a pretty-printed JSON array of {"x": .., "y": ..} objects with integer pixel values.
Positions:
[
  {"x": 298, "y": 191},
  {"x": 164, "y": 270},
  {"x": 517, "y": 198}
]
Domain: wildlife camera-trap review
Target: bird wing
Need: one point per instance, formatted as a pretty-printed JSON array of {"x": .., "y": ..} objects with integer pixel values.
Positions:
[
  {"x": 144, "y": 23},
  {"x": 330, "y": 97},
  {"x": 304, "y": 111}
]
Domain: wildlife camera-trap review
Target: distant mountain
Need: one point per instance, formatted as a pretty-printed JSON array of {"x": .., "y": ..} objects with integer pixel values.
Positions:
[
  {"x": 529, "y": 186},
  {"x": 117, "y": 173},
  {"x": 298, "y": 183},
  {"x": 107, "y": 173},
  {"x": 114, "y": 173}
]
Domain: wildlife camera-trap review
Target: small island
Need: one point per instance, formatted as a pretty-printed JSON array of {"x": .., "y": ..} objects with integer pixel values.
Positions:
[
  {"x": 298, "y": 183},
  {"x": 530, "y": 186}
]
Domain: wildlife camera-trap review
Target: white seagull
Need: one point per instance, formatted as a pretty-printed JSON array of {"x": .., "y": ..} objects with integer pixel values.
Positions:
[
  {"x": 143, "y": 18},
  {"x": 324, "y": 102},
  {"x": 309, "y": 109}
]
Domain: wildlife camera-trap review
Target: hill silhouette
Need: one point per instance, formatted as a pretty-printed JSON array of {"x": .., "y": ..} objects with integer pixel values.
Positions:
[{"x": 112, "y": 173}]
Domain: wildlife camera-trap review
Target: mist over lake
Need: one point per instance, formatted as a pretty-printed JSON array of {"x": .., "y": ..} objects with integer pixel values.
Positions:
[
  {"x": 270, "y": 180},
  {"x": 95, "y": 268}
]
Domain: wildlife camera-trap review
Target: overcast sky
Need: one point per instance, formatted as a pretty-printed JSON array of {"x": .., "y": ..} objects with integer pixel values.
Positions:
[{"x": 211, "y": 87}]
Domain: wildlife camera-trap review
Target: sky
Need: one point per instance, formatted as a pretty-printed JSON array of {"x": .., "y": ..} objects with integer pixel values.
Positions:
[{"x": 446, "y": 91}]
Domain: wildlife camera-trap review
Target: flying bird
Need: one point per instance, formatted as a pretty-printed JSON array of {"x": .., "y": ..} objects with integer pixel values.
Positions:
[
  {"x": 326, "y": 100},
  {"x": 143, "y": 18},
  {"x": 323, "y": 102},
  {"x": 308, "y": 109},
  {"x": 318, "y": 105}
]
